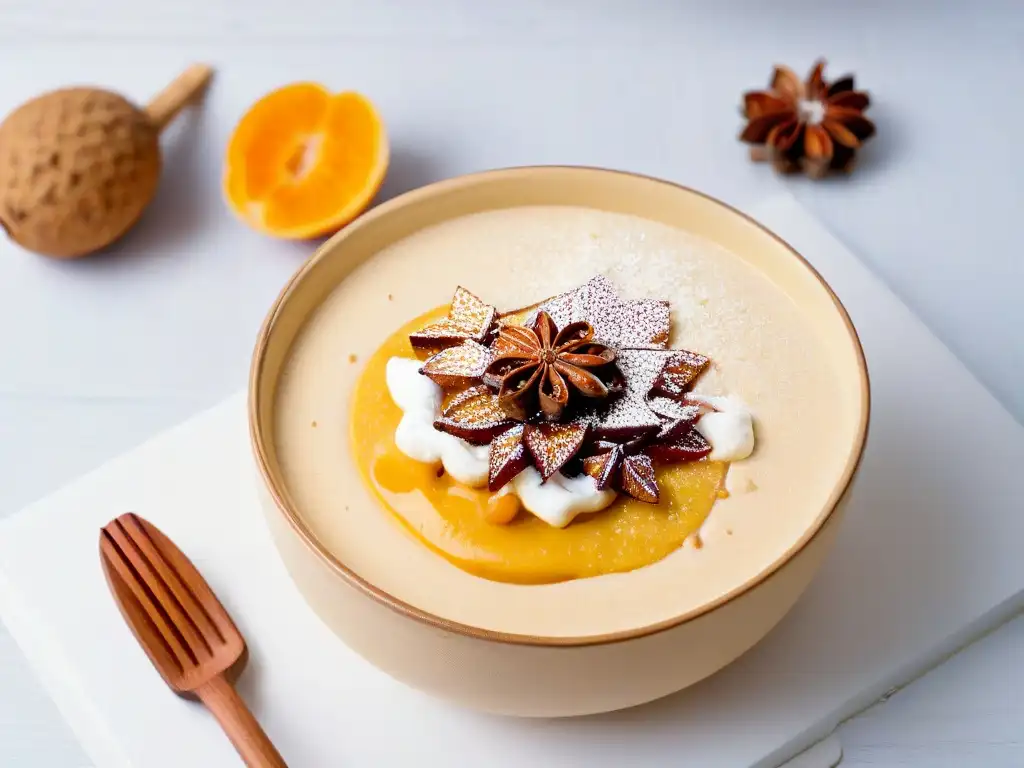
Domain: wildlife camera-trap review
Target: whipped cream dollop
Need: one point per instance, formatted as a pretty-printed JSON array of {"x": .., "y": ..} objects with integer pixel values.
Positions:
[
  {"x": 420, "y": 401},
  {"x": 729, "y": 430},
  {"x": 561, "y": 498}
]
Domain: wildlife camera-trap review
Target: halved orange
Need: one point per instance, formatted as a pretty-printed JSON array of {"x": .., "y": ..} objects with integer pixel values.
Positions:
[{"x": 303, "y": 162}]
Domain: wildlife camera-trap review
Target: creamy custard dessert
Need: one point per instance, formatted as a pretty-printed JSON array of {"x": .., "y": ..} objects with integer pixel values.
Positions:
[{"x": 601, "y": 509}]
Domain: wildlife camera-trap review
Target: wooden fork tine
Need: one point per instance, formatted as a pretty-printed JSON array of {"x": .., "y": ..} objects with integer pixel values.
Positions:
[
  {"x": 163, "y": 599},
  {"x": 111, "y": 552},
  {"x": 183, "y": 594},
  {"x": 175, "y": 559},
  {"x": 182, "y": 627}
]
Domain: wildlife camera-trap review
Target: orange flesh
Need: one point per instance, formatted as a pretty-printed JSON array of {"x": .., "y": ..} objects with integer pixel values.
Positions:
[
  {"x": 450, "y": 518},
  {"x": 303, "y": 162}
]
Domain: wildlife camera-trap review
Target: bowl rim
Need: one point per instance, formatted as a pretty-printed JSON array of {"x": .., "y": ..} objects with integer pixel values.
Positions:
[{"x": 375, "y": 593}]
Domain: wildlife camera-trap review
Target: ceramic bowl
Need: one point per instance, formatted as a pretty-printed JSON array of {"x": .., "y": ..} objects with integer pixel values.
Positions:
[{"x": 521, "y": 674}]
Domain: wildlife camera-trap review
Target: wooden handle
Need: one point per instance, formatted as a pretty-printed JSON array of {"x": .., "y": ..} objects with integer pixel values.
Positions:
[
  {"x": 176, "y": 96},
  {"x": 234, "y": 717}
]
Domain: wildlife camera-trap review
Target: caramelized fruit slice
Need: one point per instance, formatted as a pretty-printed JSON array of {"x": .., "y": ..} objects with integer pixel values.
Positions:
[
  {"x": 636, "y": 477},
  {"x": 603, "y": 467},
  {"x": 457, "y": 399},
  {"x": 524, "y": 316},
  {"x": 468, "y": 319},
  {"x": 457, "y": 367},
  {"x": 675, "y": 430},
  {"x": 688, "y": 447},
  {"x": 507, "y": 458},
  {"x": 559, "y": 307},
  {"x": 629, "y": 471},
  {"x": 552, "y": 445},
  {"x": 474, "y": 416},
  {"x": 680, "y": 372}
]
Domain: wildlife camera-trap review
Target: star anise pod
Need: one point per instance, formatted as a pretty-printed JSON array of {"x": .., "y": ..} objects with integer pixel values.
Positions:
[
  {"x": 811, "y": 126},
  {"x": 538, "y": 367}
]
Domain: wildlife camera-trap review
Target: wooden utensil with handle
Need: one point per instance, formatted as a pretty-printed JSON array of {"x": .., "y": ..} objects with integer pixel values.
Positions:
[{"x": 182, "y": 627}]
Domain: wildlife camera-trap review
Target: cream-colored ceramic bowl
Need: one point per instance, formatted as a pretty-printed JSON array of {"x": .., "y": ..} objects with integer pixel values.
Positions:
[{"x": 563, "y": 675}]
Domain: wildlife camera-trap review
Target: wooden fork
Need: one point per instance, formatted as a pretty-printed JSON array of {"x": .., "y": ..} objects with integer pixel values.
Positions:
[{"x": 182, "y": 627}]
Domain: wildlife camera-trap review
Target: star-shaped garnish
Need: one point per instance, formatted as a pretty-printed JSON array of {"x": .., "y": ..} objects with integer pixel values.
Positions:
[
  {"x": 474, "y": 415},
  {"x": 469, "y": 319},
  {"x": 674, "y": 429},
  {"x": 637, "y": 478},
  {"x": 458, "y": 367},
  {"x": 604, "y": 466},
  {"x": 537, "y": 368},
  {"x": 639, "y": 323},
  {"x": 626, "y": 467},
  {"x": 811, "y": 126},
  {"x": 631, "y": 416},
  {"x": 678, "y": 440}
]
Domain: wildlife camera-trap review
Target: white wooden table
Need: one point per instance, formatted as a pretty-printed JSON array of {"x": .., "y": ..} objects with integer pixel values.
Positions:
[{"x": 96, "y": 356}]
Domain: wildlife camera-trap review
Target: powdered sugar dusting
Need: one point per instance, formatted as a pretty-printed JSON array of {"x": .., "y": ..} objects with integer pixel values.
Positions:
[
  {"x": 469, "y": 311},
  {"x": 468, "y": 319},
  {"x": 631, "y": 414},
  {"x": 671, "y": 408},
  {"x": 552, "y": 445},
  {"x": 458, "y": 366},
  {"x": 560, "y": 308},
  {"x": 637, "y": 323}
]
